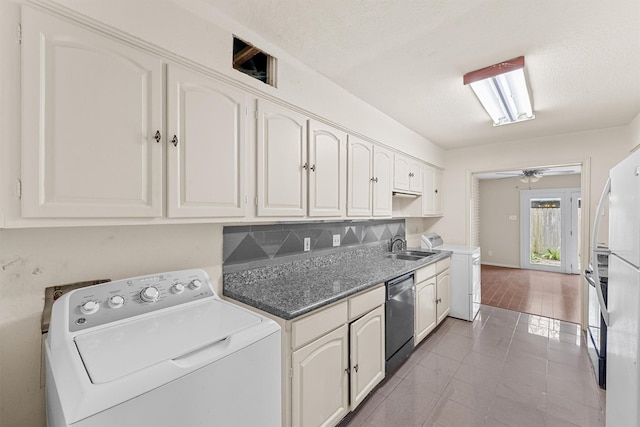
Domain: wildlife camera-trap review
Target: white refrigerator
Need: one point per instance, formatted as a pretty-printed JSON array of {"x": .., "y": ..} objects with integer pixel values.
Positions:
[{"x": 623, "y": 305}]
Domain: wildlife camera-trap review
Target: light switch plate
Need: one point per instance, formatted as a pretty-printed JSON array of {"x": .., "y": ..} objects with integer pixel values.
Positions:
[
  {"x": 307, "y": 244},
  {"x": 513, "y": 217},
  {"x": 336, "y": 240}
]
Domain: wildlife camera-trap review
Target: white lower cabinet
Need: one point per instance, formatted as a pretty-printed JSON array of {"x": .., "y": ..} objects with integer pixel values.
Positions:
[
  {"x": 443, "y": 289},
  {"x": 367, "y": 354},
  {"x": 433, "y": 300},
  {"x": 425, "y": 319},
  {"x": 320, "y": 380},
  {"x": 336, "y": 358}
]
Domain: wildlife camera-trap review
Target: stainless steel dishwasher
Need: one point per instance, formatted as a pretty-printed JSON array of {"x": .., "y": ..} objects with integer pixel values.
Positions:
[{"x": 399, "y": 311}]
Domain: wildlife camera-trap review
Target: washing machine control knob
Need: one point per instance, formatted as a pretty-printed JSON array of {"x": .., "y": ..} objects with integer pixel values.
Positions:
[
  {"x": 195, "y": 284},
  {"x": 115, "y": 301},
  {"x": 178, "y": 288},
  {"x": 89, "y": 307},
  {"x": 150, "y": 294}
]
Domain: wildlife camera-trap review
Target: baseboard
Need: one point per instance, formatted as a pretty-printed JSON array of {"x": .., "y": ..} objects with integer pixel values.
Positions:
[{"x": 500, "y": 265}]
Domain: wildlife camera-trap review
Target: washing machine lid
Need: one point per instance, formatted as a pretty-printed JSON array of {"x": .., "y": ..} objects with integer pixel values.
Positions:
[{"x": 133, "y": 345}]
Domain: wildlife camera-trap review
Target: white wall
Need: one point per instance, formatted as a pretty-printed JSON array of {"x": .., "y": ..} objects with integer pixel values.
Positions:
[
  {"x": 500, "y": 198},
  {"x": 604, "y": 148}
]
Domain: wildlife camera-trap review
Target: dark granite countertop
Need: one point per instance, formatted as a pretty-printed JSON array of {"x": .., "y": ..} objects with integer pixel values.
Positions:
[{"x": 294, "y": 293}]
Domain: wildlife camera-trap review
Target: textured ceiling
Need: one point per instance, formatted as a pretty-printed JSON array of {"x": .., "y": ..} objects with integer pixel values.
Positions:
[{"x": 407, "y": 58}]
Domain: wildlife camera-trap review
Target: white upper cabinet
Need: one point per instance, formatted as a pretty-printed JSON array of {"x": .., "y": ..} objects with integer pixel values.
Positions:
[
  {"x": 91, "y": 109},
  {"x": 360, "y": 177},
  {"x": 206, "y": 127},
  {"x": 416, "y": 170},
  {"x": 369, "y": 178},
  {"x": 382, "y": 182},
  {"x": 401, "y": 173},
  {"x": 327, "y": 169},
  {"x": 282, "y": 161},
  {"x": 407, "y": 174},
  {"x": 432, "y": 193}
]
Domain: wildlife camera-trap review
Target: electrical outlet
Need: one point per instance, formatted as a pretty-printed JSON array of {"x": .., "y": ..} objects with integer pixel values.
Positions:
[
  {"x": 336, "y": 240},
  {"x": 490, "y": 253},
  {"x": 307, "y": 244},
  {"x": 513, "y": 217}
]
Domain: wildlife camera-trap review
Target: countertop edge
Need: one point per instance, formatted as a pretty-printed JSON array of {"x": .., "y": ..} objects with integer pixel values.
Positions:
[{"x": 293, "y": 314}]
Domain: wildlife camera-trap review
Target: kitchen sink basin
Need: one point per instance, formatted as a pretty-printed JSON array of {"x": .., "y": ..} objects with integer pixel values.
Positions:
[
  {"x": 403, "y": 257},
  {"x": 410, "y": 255},
  {"x": 421, "y": 254}
]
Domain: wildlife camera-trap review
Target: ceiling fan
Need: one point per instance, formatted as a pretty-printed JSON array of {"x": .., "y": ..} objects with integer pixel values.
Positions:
[{"x": 531, "y": 175}]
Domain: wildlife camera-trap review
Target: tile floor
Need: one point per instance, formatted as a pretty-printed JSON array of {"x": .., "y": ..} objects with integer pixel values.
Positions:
[
  {"x": 504, "y": 369},
  {"x": 543, "y": 293}
]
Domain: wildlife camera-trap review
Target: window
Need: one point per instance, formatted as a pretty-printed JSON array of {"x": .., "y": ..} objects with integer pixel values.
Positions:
[{"x": 253, "y": 62}]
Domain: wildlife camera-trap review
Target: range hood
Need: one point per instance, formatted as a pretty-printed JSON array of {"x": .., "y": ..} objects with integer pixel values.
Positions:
[{"x": 405, "y": 195}]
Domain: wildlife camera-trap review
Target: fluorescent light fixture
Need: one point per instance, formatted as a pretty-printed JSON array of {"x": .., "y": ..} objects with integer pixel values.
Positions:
[{"x": 502, "y": 91}]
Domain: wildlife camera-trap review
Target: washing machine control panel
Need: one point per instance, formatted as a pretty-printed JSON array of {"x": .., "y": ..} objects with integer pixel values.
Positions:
[{"x": 112, "y": 301}]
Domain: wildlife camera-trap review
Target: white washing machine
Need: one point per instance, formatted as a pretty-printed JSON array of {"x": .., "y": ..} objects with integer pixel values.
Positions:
[
  {"x": 465, "y": 274},
  {"x": 160, "y": 350}
]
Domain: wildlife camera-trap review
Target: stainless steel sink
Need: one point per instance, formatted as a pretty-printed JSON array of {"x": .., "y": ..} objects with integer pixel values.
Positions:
[
  {"x": 410, "y": 255},
  {"x": 421, "y": 254},
  {"x": 403, "y": 257}
]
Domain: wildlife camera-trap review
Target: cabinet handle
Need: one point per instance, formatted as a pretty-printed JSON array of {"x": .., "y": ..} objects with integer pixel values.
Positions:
[
  {"x": 346, "y": 371},
  {"x": 355, "y": 368},
  {"x": 305, "y": 166},
  {"x": 410, "y": 174},
  {"x": 374, "y": 179},
  {"x": 174, "y": 141},
  {"x": 436, "y": 191},
  {"x": 313, "y": 168},
  {"x": 157, "y": 136}
]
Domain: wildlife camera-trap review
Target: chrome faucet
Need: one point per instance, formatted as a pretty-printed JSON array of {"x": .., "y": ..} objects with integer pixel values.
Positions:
[{"x": 396, "y": 239}]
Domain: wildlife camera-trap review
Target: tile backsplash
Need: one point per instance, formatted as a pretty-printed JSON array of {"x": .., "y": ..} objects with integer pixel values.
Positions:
[{"x": 263, "y": 244}]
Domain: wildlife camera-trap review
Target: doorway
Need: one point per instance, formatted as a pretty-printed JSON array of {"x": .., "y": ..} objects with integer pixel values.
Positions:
[
  {"x": 495, "y": 222},
  {"x": 549, "y": 230}
]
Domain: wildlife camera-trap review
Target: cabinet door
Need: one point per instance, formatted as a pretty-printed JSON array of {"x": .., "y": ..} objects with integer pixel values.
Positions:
[
  {"x": 206, "y": 119},
  {"x": 282, "y": 161},
  {"x": 443, "y": 293},
  {"x": 401, "y": 173},
  {"x": 415, "y": 173},
  {"x": 438, "y": 207},
  {"x": 425, "y": 320},
  {"x": 366, "y": 354},
  {"x": 91, "y": 109},
  {"x": 320, "y": 383},
  {"x": 383, "y": 184},
  {"x": 359, "y": 177},
  {"x": 427, "y": 191},
  {"x": 327, "y": 170}
]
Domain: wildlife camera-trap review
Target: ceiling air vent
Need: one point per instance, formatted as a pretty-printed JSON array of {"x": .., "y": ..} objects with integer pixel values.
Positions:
[{"x": 253, "y": 62}]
